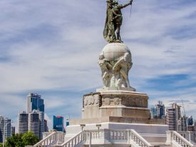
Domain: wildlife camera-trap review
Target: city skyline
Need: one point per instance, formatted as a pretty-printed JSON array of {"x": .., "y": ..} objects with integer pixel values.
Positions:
[{"x": 55, "y": 53}]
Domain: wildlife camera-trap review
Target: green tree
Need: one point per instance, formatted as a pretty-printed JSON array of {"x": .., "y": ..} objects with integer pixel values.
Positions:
[
  {"x": 21, "y": 140},
  {"x": 29, "y": 138},
  {"x": 14, "y": 141}
]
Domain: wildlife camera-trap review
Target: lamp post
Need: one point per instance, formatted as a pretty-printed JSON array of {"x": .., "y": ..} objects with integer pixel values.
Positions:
[
  {"x": 98, "y": 127},
  {"x": 82, "y": 126},
  {"x": 4, "y": 131}
]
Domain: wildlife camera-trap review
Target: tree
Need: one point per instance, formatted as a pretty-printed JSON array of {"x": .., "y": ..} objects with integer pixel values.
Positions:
[
  {"x": 21, "y": 140},
  {"x": 14, "y": 141},
  {"x": 29, "y": 138}
]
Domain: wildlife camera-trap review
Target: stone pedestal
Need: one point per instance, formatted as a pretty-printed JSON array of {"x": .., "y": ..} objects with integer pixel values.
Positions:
[{"x": 115, "y": 106}]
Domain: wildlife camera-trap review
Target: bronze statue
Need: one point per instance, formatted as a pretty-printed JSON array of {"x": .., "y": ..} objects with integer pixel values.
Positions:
[{"x": 114, "y": 21}]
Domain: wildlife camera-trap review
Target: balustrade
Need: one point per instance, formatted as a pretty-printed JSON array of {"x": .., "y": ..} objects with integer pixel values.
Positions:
[{"x": 174, "y": 138}]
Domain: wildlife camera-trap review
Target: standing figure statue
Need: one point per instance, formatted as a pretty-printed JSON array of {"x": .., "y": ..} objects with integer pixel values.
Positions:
[{"x": 114, "y": 21}]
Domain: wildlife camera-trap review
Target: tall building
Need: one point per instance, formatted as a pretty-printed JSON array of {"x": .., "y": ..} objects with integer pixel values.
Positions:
[
  {"x": 1, "y": 128},
  {"x": 13, "y": 130},
  {"x": 23, "y": 122},
  {"x": 42, "y": 122},
  {"x": 158, "y": 111},
  {"x": 34, "y": 123},
  {"x": 33, "y": 119},
  {"x": 45, "y": 126},
  {"x": 58, "y": 123},
  {"x": 173, "y": 117},
  {"x": 34, "y": 102},
  {"x": 182, "y": 124},
  {"x": 5, "y": 128}
]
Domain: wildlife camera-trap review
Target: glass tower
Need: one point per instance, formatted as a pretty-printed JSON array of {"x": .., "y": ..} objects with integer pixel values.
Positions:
[
  {"x": 5, "y": 128},
  {"x": 58, "y": 123},
  {"x": 34, "y": 102}
]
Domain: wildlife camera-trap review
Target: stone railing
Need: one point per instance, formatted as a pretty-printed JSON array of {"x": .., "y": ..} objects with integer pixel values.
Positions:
[
  {"x": 137, "y": 140},
  {"x": 51, "y": 139},
  {"x": 115, "y": 137},
  {"x": 105, "y": 136},
  {"x": 74, "y": 141},
  {"x": 189, "y": 135},
  {"x": 93, "y": 137},
  {"x": 175, "y": 139}
]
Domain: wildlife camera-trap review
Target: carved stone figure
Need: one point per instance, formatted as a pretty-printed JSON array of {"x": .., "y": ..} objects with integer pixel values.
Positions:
[
  {"x": 115, "y": 62},
  {"x": 113, "y": 21}
]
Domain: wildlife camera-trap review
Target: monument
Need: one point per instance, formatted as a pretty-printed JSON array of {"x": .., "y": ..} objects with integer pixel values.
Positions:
[
  {"x": 116, "y": 114},
  {"x": 116, "y": 101},
  {"x": 117, "y": 105}
]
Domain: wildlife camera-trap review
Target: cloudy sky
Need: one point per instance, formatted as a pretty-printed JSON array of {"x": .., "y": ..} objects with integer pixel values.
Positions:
[{"x": 51, "y": 47}]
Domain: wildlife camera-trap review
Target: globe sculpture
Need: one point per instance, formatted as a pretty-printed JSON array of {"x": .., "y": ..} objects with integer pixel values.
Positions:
[{"x": 115, "y": 62}]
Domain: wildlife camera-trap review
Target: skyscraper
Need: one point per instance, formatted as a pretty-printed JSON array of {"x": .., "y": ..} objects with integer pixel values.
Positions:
[
  {"x": 58, "y": 123},
  {"x": 23, "y": 122},
  {"x": 158, "y": 111},
  {"x": 34, "y": 102},
  {"x": 45, "y": 126},
  {"x": 5, "y": 128},
  {"x": 1, "y": 128},
  {"x": 34, "y": 123},
  {"x": 173, "y": 116},
  {"x": 33, "y": 119}
]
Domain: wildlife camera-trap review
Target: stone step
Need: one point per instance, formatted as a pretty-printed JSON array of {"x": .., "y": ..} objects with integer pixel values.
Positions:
[
  {"x": 153, "y": 137},
  {"x": 159, "y": 144}
]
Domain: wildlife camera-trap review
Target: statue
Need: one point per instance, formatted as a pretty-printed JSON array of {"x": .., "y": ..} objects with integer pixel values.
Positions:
[
  {"x": 115, "y": 62},
  {"x": 114, "y": 21},
  {"x": 115, "y": 59}
]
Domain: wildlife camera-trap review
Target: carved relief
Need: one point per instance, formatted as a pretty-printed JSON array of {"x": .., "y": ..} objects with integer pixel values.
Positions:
[
  {"x": 91, "y": 100},
  {"x": 126, "y": 100},
  {"x": 106, "y": 101},
  {"x": 117, "y": 101}
]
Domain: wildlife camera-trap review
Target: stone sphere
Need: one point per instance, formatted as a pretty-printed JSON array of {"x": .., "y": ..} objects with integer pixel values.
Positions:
[{"x": 113, "y": 51}]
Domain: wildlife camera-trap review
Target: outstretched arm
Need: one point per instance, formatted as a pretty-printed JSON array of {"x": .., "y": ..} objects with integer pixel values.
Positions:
[{"x": 125, "y": 5}]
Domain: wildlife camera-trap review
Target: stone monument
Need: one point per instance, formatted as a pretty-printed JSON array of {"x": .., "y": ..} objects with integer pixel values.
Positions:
[
  {"x": 116, "y": 105},
  {"x": 115, "y": 115},
  {"x": 116, "y": 101}
]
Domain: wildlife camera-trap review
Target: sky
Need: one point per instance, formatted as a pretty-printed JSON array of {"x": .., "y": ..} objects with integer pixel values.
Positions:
[{"x": 51, "y": 47}]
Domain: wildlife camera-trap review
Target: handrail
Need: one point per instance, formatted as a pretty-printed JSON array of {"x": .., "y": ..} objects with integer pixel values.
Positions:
[
  {"x": 45, "y": 141},
  {"x": 72, "y": 142},
  {"x": 114, "y": 136},
  {"x": 95, "y": 136},
  {"x": 179, "y": 140},
  {"x": 118, "y": 135},
  {"x": 138, "y": 139}
]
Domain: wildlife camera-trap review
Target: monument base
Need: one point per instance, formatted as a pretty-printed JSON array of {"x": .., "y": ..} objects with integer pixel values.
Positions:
[
  {"x": 115, "y": 106},
  {"x": 151, "y": 132},
  {"x": 139, "y": 127},
  {"x": 117, "y": 111},
  {"x": 114, "y": 119}
]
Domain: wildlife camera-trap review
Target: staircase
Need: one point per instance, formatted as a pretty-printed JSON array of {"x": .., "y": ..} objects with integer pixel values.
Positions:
[
  {"x": 52, "y": 139},
  {"x": 116, "y": 138}
]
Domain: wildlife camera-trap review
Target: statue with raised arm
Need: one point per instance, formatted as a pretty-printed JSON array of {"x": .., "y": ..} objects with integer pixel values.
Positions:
[
  {"x": 115, "y": 59},
  {"x": 114, "y": 21}
]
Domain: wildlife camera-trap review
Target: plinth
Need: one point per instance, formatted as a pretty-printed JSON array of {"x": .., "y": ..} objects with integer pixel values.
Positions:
[{"x": 115, "y": 106}]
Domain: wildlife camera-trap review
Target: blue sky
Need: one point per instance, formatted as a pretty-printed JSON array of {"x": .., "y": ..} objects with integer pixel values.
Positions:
[{"x": 51, "y": 47}]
